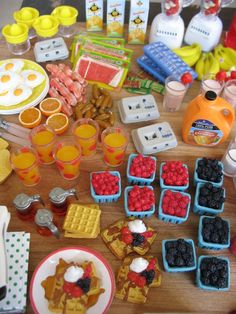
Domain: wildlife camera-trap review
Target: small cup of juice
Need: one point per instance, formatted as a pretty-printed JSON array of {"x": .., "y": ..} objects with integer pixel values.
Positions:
[
  {"x": 86, "y": 132},
  {"x": 43, "y": 139},
  {"x": 67, "y": 156},
  {"x": 25, "y": 163},
  {"x": 114, "y": 143}
]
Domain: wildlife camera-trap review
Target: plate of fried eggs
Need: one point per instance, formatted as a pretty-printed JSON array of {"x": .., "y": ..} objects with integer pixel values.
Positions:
[{"x": 23, "y": 84}]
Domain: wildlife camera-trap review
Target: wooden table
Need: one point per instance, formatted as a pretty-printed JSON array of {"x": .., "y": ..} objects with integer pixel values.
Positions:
[{"x": 178, "y": 292}]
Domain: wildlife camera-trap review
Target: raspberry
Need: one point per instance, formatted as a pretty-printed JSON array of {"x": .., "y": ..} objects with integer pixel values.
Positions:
[
  {"x": 87, "y": 271},
  {"x": 132, "y": 276},
  {"x": 125, "y": 230},
  {"x": 105, "y": 183},
  {"x": 140, "y": 199},
  {"x": 76, "y": 292},
  {"x": 141, "y": 281},
  {"x": 142, "y": 167},
  {"x": 175, "y": 203},
  {"x": 68, "y": 287},
  {"x": 127, "y": 238},
  {"x": 148, "y": 234},
  {"x": 174, "y": 173}
]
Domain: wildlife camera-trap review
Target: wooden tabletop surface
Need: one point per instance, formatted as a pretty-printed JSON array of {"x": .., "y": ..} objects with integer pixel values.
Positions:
[{"x": 178, "y": 292}]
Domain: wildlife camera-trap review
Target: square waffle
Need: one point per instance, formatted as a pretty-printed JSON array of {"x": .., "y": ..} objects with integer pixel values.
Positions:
[
  {"x": 60, "y": 301},
  {"x": 128, "y": 290},
  {"x": 112, "y": 237},
  {"x": 82, "y": 221}
]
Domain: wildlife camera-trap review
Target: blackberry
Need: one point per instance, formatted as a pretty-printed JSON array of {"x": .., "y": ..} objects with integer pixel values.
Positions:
[
  {"x": 216, "y": 230},
  {"x": 179, "y": 262},
  {"x": 209, "y": 170},
  {"x": 84, "y": 284},
  {"x": 222, "y": 282},
  {"x": 170, "y": 259},
  {"x": 202, "y": 201},
  {"x": 214, "y": 272},
  {"x": 180, "y": 255},
  {"x": 150, "y": 276},
  {"x": 137, "y": 239}
]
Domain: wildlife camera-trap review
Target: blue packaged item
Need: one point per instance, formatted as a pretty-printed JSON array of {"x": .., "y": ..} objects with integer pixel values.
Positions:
[
  {"x": 167, "y": 60},
  {"x": 210, "y": 245},
  {"x": 171, "y": 218},
  {"x": 136, "y": 214},
  {"x": 178, "y": 269},
  {"x": 105, "y": 198},
  {"x": 152, "y": 68},
  {"x": 198, "y": 274},
  {"x": 138, "y": 180},
  {"x": 202, "y": 210},
  {"x": 197, "y": 179},
  {"x": 172, "y": 187}
]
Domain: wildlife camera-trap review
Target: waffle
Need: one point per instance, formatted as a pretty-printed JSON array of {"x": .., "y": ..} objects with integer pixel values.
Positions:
[
  {"x": 112, "y": 237},
  {"x": 61, "y": 302},
  {"x": 82, "y": 221},
  {"x": 127, "y": 290}
]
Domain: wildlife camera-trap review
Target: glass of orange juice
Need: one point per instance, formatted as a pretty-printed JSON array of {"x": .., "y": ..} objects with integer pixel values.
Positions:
[
  {"x": 114, "y": 143},
  {"x": 43, "y": 139},
  {"x": 86, "y": 132},
  {"x": 25, "y": 163},
  {"x": 67, "y": 155}
]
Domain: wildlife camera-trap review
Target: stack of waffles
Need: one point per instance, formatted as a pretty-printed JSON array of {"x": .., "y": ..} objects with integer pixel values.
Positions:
[
  {"x": 60, "y": 300},
  {"x": 82, "y": 221}
]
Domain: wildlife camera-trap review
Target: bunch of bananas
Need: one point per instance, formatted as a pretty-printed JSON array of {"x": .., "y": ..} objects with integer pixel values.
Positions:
[
  {"x": 225, "y": 56},
  {"x": 207, "y": 63},
  {"x": 189, "y": 54}
]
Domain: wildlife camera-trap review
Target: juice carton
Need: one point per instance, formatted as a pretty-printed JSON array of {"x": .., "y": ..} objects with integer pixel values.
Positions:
[
  {"x": 115, "y": 17},
  {"x": 94, "y": 15},
  {"x": 138, "y": 20}
]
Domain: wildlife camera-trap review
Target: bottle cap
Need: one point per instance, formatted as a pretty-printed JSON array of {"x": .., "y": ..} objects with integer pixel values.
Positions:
[
  {"x": 44, "y": 218},
  {"x": 22, "y": 201},
  {"x": 26, "y": 15},
  {"x": 15, "y": 33},
  {"x": 210, "y": 95},
  {"x": 58, "y": 195},
  {"x": 46, "y": 26},
  {"x": 65, "y": 14}
]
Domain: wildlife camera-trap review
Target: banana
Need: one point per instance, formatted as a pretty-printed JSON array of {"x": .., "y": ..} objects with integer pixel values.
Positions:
[
  {"x": 222, "y": 56},
  {"x": 214, "y": 66},
  {"x": 189, "y": 54},
  {"x": 231, "y": 53},
  {"x": 199, "y": 67}
]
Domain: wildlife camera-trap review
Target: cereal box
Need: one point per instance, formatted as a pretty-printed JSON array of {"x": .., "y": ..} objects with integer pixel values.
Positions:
[
  {"x": 115, "y": 17},
  {"x": 138, "y": 20},
  {"x": 94, "y": 15}
]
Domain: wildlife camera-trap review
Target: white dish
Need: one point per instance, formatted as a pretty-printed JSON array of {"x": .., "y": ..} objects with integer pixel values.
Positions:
[{"x": 77, "y": 254}]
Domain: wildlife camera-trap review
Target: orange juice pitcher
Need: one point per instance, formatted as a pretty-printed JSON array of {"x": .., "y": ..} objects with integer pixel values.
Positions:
[{"x": 208, "y": 120}]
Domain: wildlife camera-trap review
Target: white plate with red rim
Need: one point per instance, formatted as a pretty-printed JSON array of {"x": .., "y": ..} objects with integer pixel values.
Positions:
[{"x": 76, "y": 254}]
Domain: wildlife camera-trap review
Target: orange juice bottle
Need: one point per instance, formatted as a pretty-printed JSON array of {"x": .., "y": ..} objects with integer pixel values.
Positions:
[{"x": 208, "y": 120}]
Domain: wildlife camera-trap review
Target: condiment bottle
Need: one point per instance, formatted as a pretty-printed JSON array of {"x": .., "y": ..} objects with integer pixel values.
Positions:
[
  {"x": 46, "y": 226},
  {"x": 229, "y": 159},
  {"x": 17, "y": 39},
  {"x": 25, "y": 207},
  {"x": 59, "y": 200}
]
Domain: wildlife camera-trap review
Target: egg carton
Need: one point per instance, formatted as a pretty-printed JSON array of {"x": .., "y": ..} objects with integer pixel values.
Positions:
[
  {"x": 51, "y": 50},
  {"x": 154, "y": 138},
  {"x": 138, "y": 109}
]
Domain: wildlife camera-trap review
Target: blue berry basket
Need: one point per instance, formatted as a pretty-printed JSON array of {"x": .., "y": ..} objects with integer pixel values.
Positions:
[
  {"x": 136, "y": 214},
  {"x": 138, "y": 180},
  {"x": 198, "y": 180},
  {"x": 105, "y": 198},
  {"x": 210, "y": 245},
  {"x": 170, "y": 218},
  {"x": 178, "y": 269},
  {"x": 198, "y": 274},
  {"x": 202, "y": 210},
  {"x": 172, "y": 187}
]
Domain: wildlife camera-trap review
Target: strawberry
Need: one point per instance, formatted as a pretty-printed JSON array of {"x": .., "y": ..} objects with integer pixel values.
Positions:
[
  {"x": 141, "y": 282},
  {"x": 76, "y": 292},
  {"x": 68, "y": 287},
  {"x": 233, "y": 75},
  {"x": 221, "y": 75},
  {"x": 127, "y": 238},
  {"x": 132, "y": 276},
  {"x": 186, "y": 78}
]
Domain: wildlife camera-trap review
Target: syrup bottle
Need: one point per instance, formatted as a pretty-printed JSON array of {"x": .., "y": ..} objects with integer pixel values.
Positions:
[
  {"x": 46, "y": 226},
  {"x": 59, "y": 200},
  {"x": 24, "y": 205}
]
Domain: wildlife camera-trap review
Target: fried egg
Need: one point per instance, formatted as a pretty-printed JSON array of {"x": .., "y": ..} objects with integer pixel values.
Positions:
[
  {"x": 13, "y": 65},
  {"x": 9, "y": 80},
  {"x": 32, "y": 78},
  {"x": 15, "y": 96}
]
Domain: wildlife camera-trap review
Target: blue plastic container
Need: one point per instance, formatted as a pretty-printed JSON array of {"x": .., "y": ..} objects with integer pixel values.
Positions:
[
  {"x": 105, "y": 198},
  {"x": 198, "y": 280},
  {"x": 178, "y": 269},
  {"x": 209, "y": 245},
  {"x": 198, "y": 180},
  {"x": 137, "y": 180},
  {"x": 170, "y": 218},
  {"x": 202, "y": 210},
  {"x": 172, "y": 187},
  {"x": 133, "y": 213}
]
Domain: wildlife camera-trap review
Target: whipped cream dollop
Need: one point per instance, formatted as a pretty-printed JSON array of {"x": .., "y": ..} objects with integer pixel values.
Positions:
[
  {"x": 138, "y": 264},
  {"x": 73, "y": 273},
  {"x": 137, "y": 226}
]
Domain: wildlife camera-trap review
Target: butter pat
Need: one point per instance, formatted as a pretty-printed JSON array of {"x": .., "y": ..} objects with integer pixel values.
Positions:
[
  {"x": 138, "y": 265},
  {"x": 137, "y": 226},
  {"x": 73, "y": 273}
]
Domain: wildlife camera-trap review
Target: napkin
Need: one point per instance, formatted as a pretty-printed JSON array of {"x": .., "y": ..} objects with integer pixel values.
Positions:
[{"x": 17, "y": 247}]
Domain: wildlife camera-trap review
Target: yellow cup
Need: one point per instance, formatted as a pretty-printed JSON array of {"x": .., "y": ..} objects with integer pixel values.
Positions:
[
  {"x": 25, "y": 163},
  {"x": 114, "y": 143},
  {"x": 67, "y": 156},
  {"x": 43, "y": 139},
  {"x": 86, "y": 132}
]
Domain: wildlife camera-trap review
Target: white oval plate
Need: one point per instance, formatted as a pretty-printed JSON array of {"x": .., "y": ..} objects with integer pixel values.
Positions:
[{"x": 76, "y": 254}]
